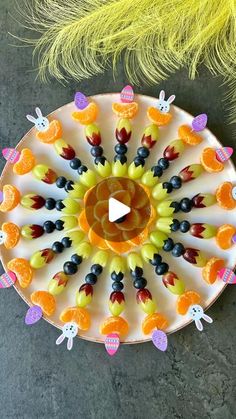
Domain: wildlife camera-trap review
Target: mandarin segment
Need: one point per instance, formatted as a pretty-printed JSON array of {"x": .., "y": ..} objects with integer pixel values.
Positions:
[
  {"x": 225, "y": 235},
  {"x": 79, "y": 315},
  {"x": 45, "y": 300},
  {"x": 114, "y": 324},
  {"x": 185, "y": 300},
  {"x": 125, "y": 110},
  {"x": 209, "y": 161},
  {"x": 189, "y": 136},
  {"x": 25, "y": 163},
  {"x": 23, "y": 271},
  {"x": 210, "y": 271},
  {"x": 12, "y": 232},
  {"x": 158, "y": 117},
  {"x": 11, "y": 198},
  {"x": 53, "y": 133},
  {"x": 152, "y": 321},
  {"x": 86, "y": 116},
  {"x": 224, "y": 196}
]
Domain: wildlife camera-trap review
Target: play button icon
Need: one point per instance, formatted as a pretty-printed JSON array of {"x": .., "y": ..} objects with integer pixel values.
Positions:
[{"x": 117, "y": 210}]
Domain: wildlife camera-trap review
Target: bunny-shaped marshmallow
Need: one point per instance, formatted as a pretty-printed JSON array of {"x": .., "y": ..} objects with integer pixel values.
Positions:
[
  {"x": 2, "y": 237},
  {"x": 162, "y": 104},
  {"x": 41, "y": 123},
  {"x": 69, "y": 331},
  {"x": 196, "y": 313}
]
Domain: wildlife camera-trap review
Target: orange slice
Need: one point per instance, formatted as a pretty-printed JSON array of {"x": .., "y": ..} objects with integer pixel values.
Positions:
[
  {"x": 114, "y": 324},
  {"x": 90, "y": 195},
  {"x": 224, "y": 236},
  {"x": 210, "y": 162},
  {"x": 100, "y": 209},
  {"x": 95, "y": 239},
  {"x": 125, "y": 110},
  {"x": 188, "y": 136},
  {"x": 83, "y": 223},
  {"x": 210, "y": 270},
  {"x": 12, "y": 232},
  {"x": 158, "y": 117},
  {"x": 185, "y": 300},
  {"x": 79, "y": 315},
  {"x": 45, "y": 300},
  {"x": 110, "y": 229},
  {"x": 102, "y": 191},
  {"x": 224, "y": 196},
  {"x": 119, "y": 247},
  {"x": 87, "y": 115},
  {"x": 122, "y": 196},
  {"x": 140, "y": 239},
  {"x": 11, "y": 198},
  {"x": 23, "y": 271},
  {"x": 152, "y": 321},
  {"x": 53, "y": 133},
  {"x": 26, "y": 162}
]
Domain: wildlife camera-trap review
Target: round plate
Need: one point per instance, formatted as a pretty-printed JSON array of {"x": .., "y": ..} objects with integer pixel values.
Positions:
[{"x": 73, "y": 133}]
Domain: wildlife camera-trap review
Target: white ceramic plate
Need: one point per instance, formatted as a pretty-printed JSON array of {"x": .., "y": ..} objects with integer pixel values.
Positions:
[{"x": 73, "y": 134}]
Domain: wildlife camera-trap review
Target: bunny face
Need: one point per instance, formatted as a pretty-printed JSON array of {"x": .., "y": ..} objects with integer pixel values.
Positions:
[
  {"x": 70, "y": 330},
  {"x": 2, "y": 237},
  {"x": 164, "y": 105},
  {"x": 196, "y": 312},
  {"x": 41, "y": 123}
]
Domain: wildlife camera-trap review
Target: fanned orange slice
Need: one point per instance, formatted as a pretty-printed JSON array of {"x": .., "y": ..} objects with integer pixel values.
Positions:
[
  {"x": 100, "y": 209},
  {"x": 189, "y": 136},
  {"x": 79, "y": 315},
  {"x": 224, "y": 196},
  {"x": 158, "y": 117},
  {"x": 114, "y": 324},
  {"x": 95, "y": 239},
  {"x": 11, "y": 198},
  {"x": 25, "y": 163},
  {"x": 119, "y": 247},
  {"x": 210, "y": 270},
  {"x": 87, "y": 115},
  {"x": 154, "y": 321},
  {"x": 224, "y": 236},
  {"x": 12, "y": 232},
  {"x": 210, "y": 162},
  {"x": 23, "y": 271},
  {"x": 45, "y": 300},
  {"x": 185, "y": 300},
  {"x": 82, "y": 220},
  {"x": 125, "y": 110},
  {"x": 53, "y": 133},
  {"x": 122, "y": 196}
]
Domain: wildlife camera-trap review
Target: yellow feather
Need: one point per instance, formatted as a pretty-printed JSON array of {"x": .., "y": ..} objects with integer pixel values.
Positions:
[{"x": 152, "y": 38}]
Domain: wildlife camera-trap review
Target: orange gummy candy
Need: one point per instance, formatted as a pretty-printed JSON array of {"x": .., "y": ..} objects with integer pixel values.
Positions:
[
  {"x": 86, "y": 116},
  {"x": 12, "y": 232},
  {"x": 53, "y": 133},
  {"x": 185, "y": 300},
  {"x": 79, "y": 315},
  {"x": 158, "y": 117},
  {"x": 189, "y": 136},
  {"x": 23, "y": 271},
  {"x": 125, "y": 110},
  {"x": 224, "y": 236},
  {"x": 45, "y": 300},
  {"x": 224, "y": 196},
  {"x": 11, "y": 198},
  {"x": 210, "y": 162},
  {"x": 114, "y": 324},
  {"x": 152, "y": 321},
  {"x": 210, "y": 270},
  {"x": 26, "y": 162}
]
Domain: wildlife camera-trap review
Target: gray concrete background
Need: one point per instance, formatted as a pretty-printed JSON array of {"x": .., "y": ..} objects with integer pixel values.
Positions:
[{"x": 195, "y": 378}]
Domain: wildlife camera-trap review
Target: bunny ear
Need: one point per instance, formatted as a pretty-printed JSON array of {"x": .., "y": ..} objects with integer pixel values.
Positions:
[
  {"x": 171, "y": 99},
  {"x": 199, "y": 325},
  {"x": 162, "y": 95},
  {"x": 31, "y": 118},
  {"x": 38, "y": 112},
  {"x": 207, "y": 318},
  {"x": 70, "y": 344},
  {"x": 60, "y": 339}
]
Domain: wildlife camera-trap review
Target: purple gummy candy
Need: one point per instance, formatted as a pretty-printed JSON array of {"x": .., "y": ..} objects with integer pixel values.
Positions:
[
  {"x": 1, "y": 196},
  {"x": 199, "y": 122},
  {"x": 81, "y": 102},
  {"x": 159, "y": 340},
  {"x": 33, "y": 315}
]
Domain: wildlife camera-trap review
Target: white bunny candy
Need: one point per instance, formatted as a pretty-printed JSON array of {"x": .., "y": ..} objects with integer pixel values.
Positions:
[
  {"x": 2, "y": 237},
  {"x": 196, "y": 313},
  {"x": 162, "y": 104},
  {"x": 69, "y": 331},
  {"x": 41, "y": 122}
]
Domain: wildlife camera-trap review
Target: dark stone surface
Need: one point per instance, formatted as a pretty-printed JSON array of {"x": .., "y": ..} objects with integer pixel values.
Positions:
[{"x": 195, "y": 379}]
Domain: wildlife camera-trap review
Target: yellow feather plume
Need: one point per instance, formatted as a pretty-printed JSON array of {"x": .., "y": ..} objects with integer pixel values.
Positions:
[{"x": 152, "y": 37}]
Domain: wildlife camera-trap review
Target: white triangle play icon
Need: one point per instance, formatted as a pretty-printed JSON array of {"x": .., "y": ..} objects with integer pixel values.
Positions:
[{"x": 116, "y": 209}]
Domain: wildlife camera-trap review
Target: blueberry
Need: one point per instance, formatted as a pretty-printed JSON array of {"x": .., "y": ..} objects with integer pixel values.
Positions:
[
  {"x": 75, "y": 163},
  {"x": 163, "y": 163},
  {"x": 76, "y": 259},
  {"x": 117, "y": 277},
  {"x": 101, "y": 160},
  {"x": 49, "y": 226},
  {"x": 162, "y": 268},
  {"x": 117, "y": 286},
  {"x": 178, "y": 250},
  {"x": 175, "y": 225},
  {"x": 121, "y": 148},
  {"x": 175, "y": 205},
  {"x": 120, "y": 220},
  {"x": 59, "y": 205},
  {"x": 69, "y": 185},
  {"x": 137, "y": 272},
  {"x": 50, "y": 204},
  {"x": 139, "y": 161},
  {"x": 81, "y": 170},
  {"x": 96, "y": 151},
  {"x": 176, "y": 182},
  {"x": 67, "y": 242},
  {"x": 59, "y": 225},
  {"x": 186, "y": 205},
  {"x": 96, "y": 269},
  {"x": 120, "y": 157},
  {"x": 60, "y": 182},
  {"x": 70, "y": 268},
  {"x": 140, "y": 283},
  {"x": 91, "y": 279},
  {"x": 184, "y": 226},
  {"x": 143, "y": 152},
  {"x": 157, "y": 170},
  {"x": 168, "y": 186},
  {"x": 168, "y": 245},
  {"x": 57, "y": 247},
  {"x": 156, "y": 259}
]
